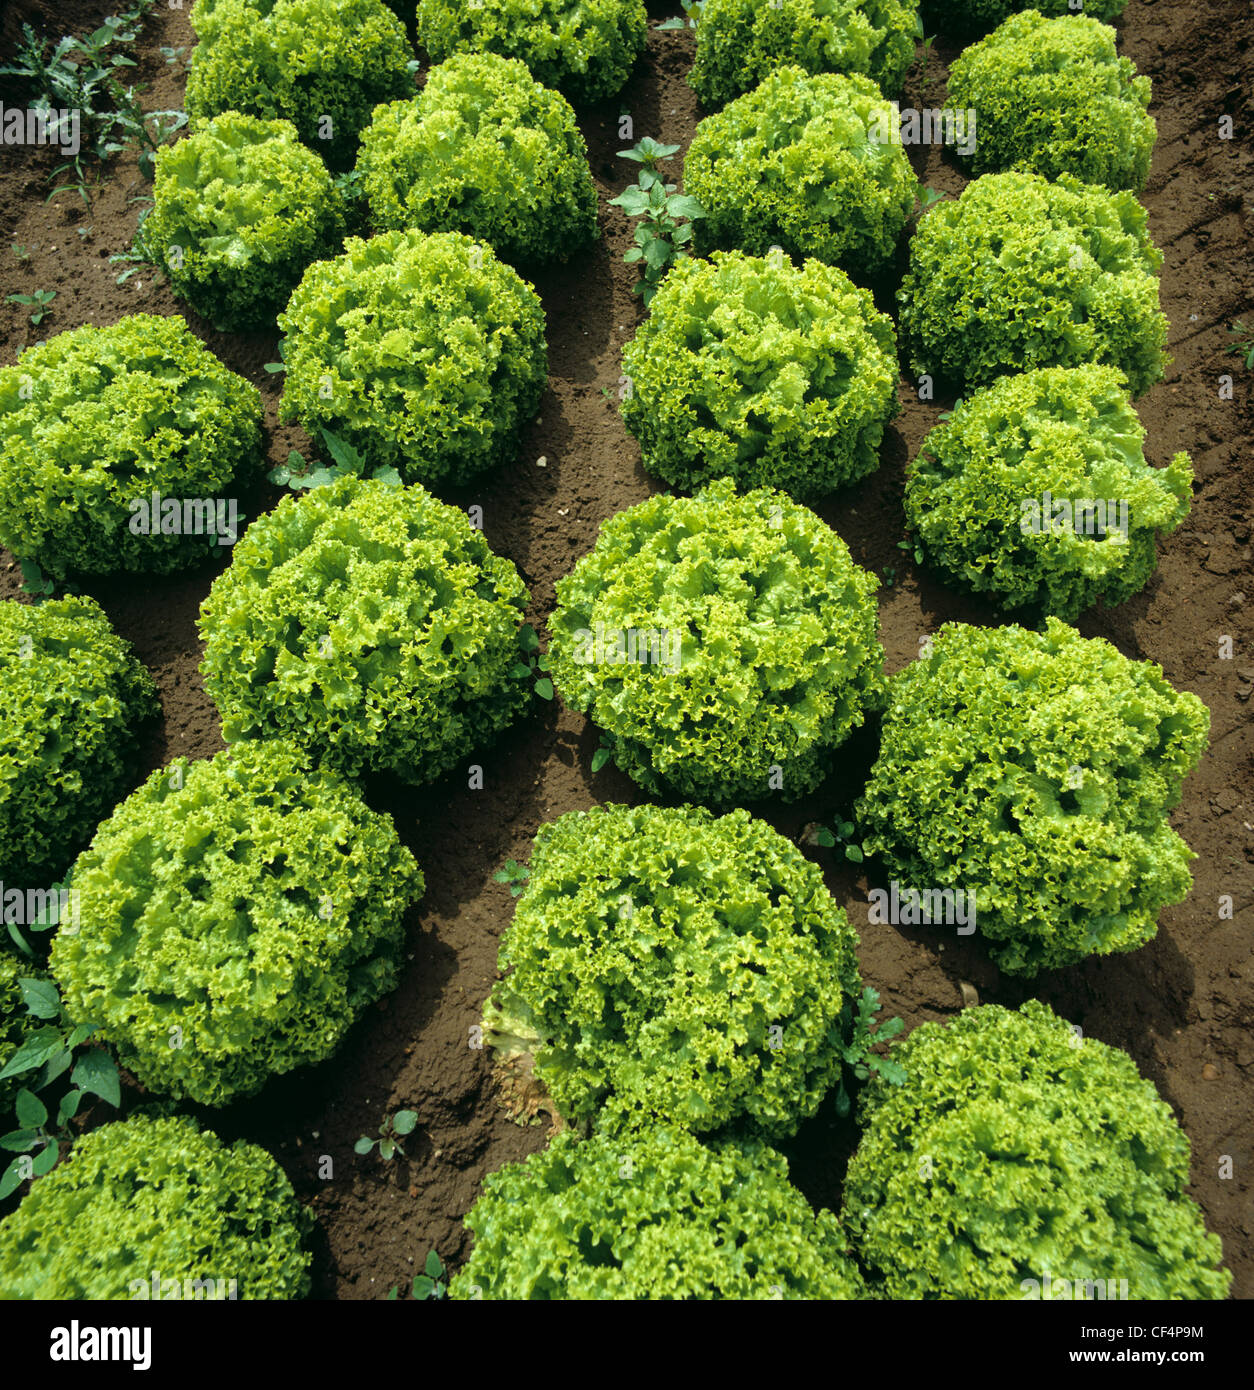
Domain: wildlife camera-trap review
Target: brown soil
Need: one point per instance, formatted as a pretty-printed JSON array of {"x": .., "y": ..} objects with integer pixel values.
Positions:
[{"x": 1181, "y": 1005}]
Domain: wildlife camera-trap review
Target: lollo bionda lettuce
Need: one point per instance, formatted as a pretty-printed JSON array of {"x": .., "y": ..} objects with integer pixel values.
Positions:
[
  {"x": 771, "y": 374},
  {"x": 483, "y": 150},
  {"x": 118, "y": 445},
  {"x": 425, "y": 353},
  {"x": 814, "y": 164},
  {"x": 726, "y": 643},
  {"x": 1035, "y": 492},
  {"x": 73, "y": 704},
  {"x": 240, "y": 209},
  {"x": 1035, "y": 771},
  {"x": 1053, "y": 96},
  {"x": 741, "y": 42},
  {"x": 651, "y": 1215},
  {"x": 237, "y": 914},
  {"x": 967, "y": 18},
  {"x": 323, "y": 65},
  {"x": 156, "y": 1207},
  {"x": 1022, "y": 1160},
  {"x": 584, "y": 48},
  {"x": 664, "y": 964},
  {"x": 373, "y": 625},
  {"x": 1021, "y": 272}
]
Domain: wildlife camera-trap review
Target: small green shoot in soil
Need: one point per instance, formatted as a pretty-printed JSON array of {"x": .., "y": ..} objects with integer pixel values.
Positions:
[
  {"x": 21, "y": 252},
  {"x": 1244, "y": 343},
  {"x": 393, "y": 1129},
  {"x": 36, "y": 583},
  {"x": 515, "y": 874},
  {"x": 531, "y": 664},
  {"x": 38, "y": 301},
  {"x": 77, "y": 78},
  {"x": 298, "y": 473},
  {"x": 687, "y": 20},
  {"x": 604, "y": 753},
  {"x": 929, "y": 197},
  {"x": 862, "y": 1035},
  {"x": 914, "y": 548},
  {"x": 667, "y": 216},
  {"x": 45, "y": 1055},
  {"x": 839, "y": 833},
  {"x": 431, "y": 1283}
]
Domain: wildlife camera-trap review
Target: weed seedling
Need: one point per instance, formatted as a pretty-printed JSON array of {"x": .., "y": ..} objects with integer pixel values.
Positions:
[
  {"x": 515, "y": 874},
  {"x": 431, "y": 1283},
  {"x": 667, "y": 216},
  {"x": 838, "y": 833},
  {"x": 531, "y": 664},
  {"x": 39, "y": 299},
  {"x": 1244, "y": 343},
  {"x": 393, "y": 1129},
  {"x": 44, "y": 1055},
  {"x": 862, "y": 1034}
]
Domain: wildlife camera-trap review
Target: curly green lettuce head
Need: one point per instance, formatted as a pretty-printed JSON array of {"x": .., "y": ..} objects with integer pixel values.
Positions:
[
  {"x": 1018, "y": 1152},
  {"x": 73, "y": 703},
  {"x": 669, "y": 965},
  {"x": 1036, "y": 492},
  {"x": 323, "y": 65},
  {"x": 654, "y": 1214},
  {"x": 425, "y": 353},
  {"x": 96, "y": 421},
  {"x": 814, "y": 164},
  {"x": 373, "y": 625},
  {"x": 584, "y": 48},
  {"x": 763, "y": 372},
  {"x": 236, "y": 915},
  {"x": 158, "y": 1208},
  {"x": 725, "y": 642},
  {"x": 484, "y": 150},
  {"x": 741, "y": 42},
  {"x": 967, "y": 18},
  {"x": 1035, "y": 770},
  {"x": 1053, "y": 96},
  {"x": 1022, "y": 272},
  {"x": 240, "y": 208}
]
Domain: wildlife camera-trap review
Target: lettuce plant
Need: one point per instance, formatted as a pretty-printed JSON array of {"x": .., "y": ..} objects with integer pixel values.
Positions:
[
  {"x": 373, "y": 625},
  {"x": 584, "y": 48},
  {"x": 96, "y": 421},
  {"x": 483, "y": 150},
  {"x": 761, "y": 371},
  {"x": 1035, "y": 491},
  {"x": 1018, "y": 1158},
  {"x": 240, "y": 208},
  {"x": 237, "y": 914},
  {"x": 813, "y": 164},
  {"x": 73, "y": 703},
  {"x": 1035, "y": 770},
  {"x": 667, "y": 964},
  {"x": 725, "y": 642},
  {"x": 1021, "y": 272},
  {"x": 423, "y": 353},
  {"x": 652, "y": 1215},
  {"x": 323, "y": 65},
  {"x": 964, "y": 18},
  {"x": 741, "y": 42},
  {"x": 1053, "y": 96},
  {"x": 153, "y": 1208}
]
